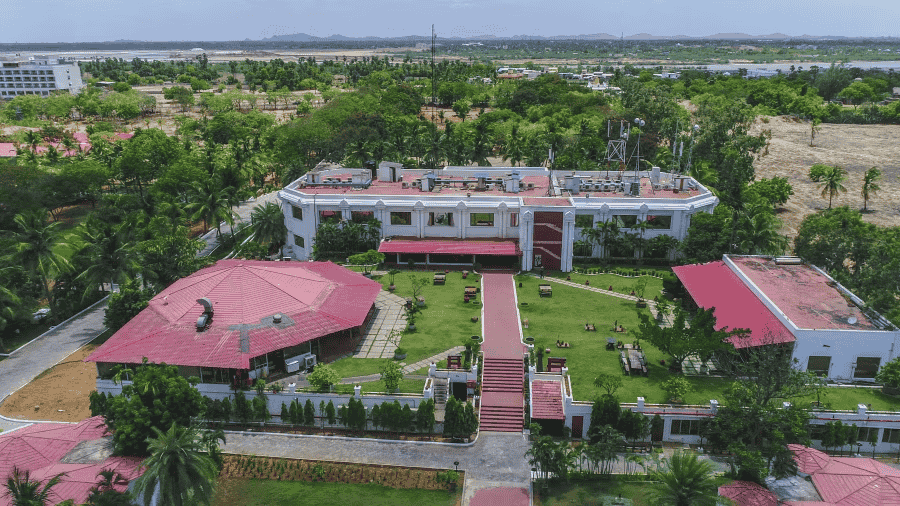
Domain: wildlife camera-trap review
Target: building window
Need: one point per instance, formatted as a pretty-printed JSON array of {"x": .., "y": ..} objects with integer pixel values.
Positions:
[
  {"x": 584, "y": 220},
  {"x": 299, "y": 241},
  {"x": 513, "y": 219},
  {"x": 401, "y": 218},
  {"x": 297, "y": 213},
  {"x": 329, "y": 216},
  {"x": 440, "y": 219},
  {"x": 625, "y": 220},
  {"x": 865, "y": 434},
  {"x": 686, "y": 427},
  {"x": 866, "y": 367},
  {"x": 361, "y": 216},
  {"x": 481, "y": 219},
  {"x": 659, "y": 222},
  {"x": 819, "y": 365},
  {"x": 890, "y": 436}
]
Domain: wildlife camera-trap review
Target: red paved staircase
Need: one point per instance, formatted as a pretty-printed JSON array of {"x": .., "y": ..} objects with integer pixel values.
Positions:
[{"x": 502, "y": 407}]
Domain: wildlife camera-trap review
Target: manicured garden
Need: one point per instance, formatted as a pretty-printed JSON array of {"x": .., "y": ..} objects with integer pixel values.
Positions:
[
  {"x": 407, "y": 386},
  {"x": 563, "y": 315},
  {"x": 443, "y": 323},
  {"x": 619, "y": 283}
]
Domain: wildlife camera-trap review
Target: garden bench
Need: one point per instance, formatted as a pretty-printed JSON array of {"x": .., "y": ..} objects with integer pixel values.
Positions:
[
  {"x": 545, "y": 290},
  {"x": 440, "y": 279},
  {"x": 471, "y": 291}
]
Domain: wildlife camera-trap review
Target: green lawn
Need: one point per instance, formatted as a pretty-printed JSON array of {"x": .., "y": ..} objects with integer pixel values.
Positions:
[
  {"x": 619, "y": 284},
  {"x": 444, "y": 322},
  {"x": 237, "y": 492},
  {"x": 589, "y": 493}
]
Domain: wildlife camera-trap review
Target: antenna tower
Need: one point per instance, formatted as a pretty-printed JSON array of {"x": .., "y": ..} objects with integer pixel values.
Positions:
[{"x": 615, "y": 148}]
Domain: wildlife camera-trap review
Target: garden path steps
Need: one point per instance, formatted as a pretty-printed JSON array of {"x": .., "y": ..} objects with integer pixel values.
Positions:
[{"x": 502, "y": 400}]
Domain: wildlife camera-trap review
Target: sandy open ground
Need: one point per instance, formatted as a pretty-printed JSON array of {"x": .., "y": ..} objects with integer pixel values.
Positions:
[
  {"x": 856, "y": 148},
  {"x": 59, "y": 394}
]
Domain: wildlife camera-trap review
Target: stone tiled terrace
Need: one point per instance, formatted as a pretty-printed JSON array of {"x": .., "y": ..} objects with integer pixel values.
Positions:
[{"x": 389, "y": 316}]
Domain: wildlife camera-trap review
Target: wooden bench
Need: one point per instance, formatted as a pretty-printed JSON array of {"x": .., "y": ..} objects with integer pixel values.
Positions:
[
  {"x": 471, "y": 291},
  {"x": 440, "y": 279},
  {"x": 625, "y": 363},
  {"x": 545, "y": 290}
]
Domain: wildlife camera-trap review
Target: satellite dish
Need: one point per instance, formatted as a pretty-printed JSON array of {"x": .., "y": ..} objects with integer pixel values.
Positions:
[{"x": 852, "y": 320}]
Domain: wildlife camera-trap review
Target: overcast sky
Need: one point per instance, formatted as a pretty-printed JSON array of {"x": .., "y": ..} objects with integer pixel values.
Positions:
[{"x": 162, "y": 20}]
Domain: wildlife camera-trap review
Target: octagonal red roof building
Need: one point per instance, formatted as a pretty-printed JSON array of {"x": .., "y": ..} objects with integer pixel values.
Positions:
[{"x": 313, "y": 299}]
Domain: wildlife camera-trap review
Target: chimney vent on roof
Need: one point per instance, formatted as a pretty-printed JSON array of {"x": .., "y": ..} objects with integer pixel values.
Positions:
[
  {"x": 276, "y": 318},
  {"x": 852, "y": 320},
  {"x": 788, "y": 261},
  {"x": 207, "y": 305}
]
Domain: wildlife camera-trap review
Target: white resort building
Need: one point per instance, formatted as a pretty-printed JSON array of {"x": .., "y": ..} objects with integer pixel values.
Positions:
[
  {"x": 38, "y": 75},
  {"x": 513, "y": 217}
]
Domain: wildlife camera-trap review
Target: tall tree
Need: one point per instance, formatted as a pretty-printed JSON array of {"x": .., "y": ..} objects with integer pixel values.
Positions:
[
  {"x": 37, "y": 242},
  {"x": 210, "y": 204},
  {"x": 177, "y": 471},
  {"x": 701, "y": 337},
  {"x": 268, "y": 225},
  {"x": 870, "y": 186},
  {"x": 831, "y": 180},
  {"x": 112, "y": 257}
]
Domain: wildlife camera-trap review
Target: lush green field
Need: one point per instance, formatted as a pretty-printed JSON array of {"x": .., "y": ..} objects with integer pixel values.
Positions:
[
  {"x": 619, "y": 284},
  {"x": 235, "y": 492},
  {"x": 407, "y": 386},
  {"x": 588, "y": 493}
]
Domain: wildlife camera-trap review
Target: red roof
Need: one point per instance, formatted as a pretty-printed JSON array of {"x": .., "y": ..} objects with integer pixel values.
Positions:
[
  {"x": 500, "y": 496},
  {"x": 822, "y": 306},
  {"x": 745, "y": 493},
  {"x": 849, "y": 481},
  {"x": 489, "y": 247},
  {"x": 715, "y": 285},
  {"x": 546, "y": 400},
  {"x": 809, "y": 460},
  {"x": 547, "y": 201},
  {"x": 7, "y": 149},
  {"x": 315, "y": 299},
  {"x": 44, "y": 450}
]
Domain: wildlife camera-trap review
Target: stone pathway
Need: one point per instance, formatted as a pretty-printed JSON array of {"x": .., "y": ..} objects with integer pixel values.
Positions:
[
  {"x": 51, "y": 347},
  {"x": 389, "y": 316}
]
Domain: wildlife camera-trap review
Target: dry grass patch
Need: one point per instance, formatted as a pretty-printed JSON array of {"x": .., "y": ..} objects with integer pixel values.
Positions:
[{"x": 856, "y": 148}]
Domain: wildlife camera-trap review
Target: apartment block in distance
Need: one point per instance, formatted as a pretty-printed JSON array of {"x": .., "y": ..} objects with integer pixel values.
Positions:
[{"x": 38, "y": 75}]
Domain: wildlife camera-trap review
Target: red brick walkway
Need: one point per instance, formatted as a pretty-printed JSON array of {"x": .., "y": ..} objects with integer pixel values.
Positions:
[{"x": 502, "y": 404}]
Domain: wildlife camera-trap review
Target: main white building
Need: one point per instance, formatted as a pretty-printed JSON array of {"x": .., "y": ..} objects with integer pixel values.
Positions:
[
  {"x": 518, "y": 217},
  {"x": 38, "y": 75}
]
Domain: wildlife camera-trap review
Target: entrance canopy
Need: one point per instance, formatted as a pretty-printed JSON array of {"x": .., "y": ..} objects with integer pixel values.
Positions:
[{"x": 489, "y": 247}]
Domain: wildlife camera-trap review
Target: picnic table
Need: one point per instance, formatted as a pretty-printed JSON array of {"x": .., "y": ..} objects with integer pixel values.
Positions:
[
  {"x": 633, "y": 360},
  {"x": 545, "y": 290},
  {"x": 471, "y": 291},
  {"x": 440, "y": 279}
]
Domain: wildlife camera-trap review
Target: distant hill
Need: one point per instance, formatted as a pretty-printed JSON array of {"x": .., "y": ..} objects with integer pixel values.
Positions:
[{"x": 303, "y": 37}]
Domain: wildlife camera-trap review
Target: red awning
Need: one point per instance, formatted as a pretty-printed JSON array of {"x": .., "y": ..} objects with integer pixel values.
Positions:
[
  {"x": 450, "y": 247},
  {"x": 715, "y": 285}
]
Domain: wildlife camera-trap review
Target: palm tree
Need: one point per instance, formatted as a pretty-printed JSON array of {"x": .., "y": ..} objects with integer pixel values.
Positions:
[
  {"x": 210, "y": 204},
  {"x": 112, "y": 256},
  {"x": 176, "y": 471},
  {"x": 870, "y": 187},
  {"x": 27, "y": 492},
  {"x": 610, "y": 236},
  {"x": 831, "y": 179},
  {"x": 685, "y": 480},
  {"x": 513, "y": 149},
  {"x": 36, "y": 242},
  {"x": 758, "y": 233},
  {"x": 268, "y": 225},
  {"x": 640, "y": 241}
]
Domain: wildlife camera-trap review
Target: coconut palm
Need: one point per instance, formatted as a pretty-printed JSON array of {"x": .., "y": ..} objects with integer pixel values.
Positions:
[
  {"x": 27, "y": 492},
  {"x": 831, "y": 179},
  {"x": 684, "y": 480},
  {"x": 870, "y": 186},
  {"x": 268, "y": 225},
  {"x": 112, "y": 257},
  {"x": 210, "y": 204},
  {"x": 36, "y": 242},
  {"x": 176, "y": 471},
  {"x": 609, "y": 236}
]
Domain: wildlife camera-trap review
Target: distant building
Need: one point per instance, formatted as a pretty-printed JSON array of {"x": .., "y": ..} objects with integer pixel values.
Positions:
[{"x": 38, "y": 75}]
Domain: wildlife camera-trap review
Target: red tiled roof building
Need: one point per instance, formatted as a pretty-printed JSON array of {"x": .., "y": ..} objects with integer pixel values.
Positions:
[{"x": 261, "y": 314}]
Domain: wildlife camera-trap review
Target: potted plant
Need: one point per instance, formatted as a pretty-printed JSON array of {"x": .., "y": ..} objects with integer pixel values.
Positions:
[
  {"x": 399, "y": 354},
  {"x": 391, "y": 274}
]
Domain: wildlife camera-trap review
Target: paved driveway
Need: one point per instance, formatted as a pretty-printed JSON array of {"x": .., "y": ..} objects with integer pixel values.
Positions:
[{"x": 45, "y": 351}]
